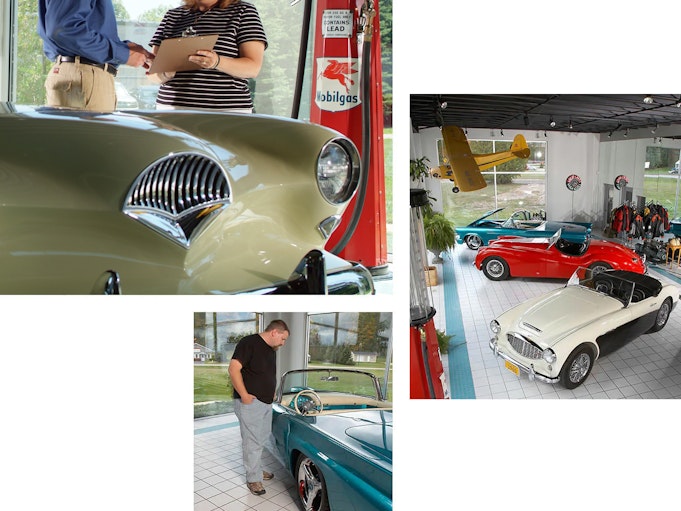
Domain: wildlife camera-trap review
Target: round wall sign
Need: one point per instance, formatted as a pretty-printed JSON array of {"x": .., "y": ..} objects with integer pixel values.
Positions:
[
  {"x": 621, "y": 181},
  {"x": 573, "y": 182}
]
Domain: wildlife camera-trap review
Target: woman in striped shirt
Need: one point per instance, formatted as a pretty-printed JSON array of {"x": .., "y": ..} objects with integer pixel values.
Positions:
[{"x": 221, "y": 82}]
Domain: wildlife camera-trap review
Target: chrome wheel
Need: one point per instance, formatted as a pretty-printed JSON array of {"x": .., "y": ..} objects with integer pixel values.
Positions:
[
  {"x": 662, "y": 316},
  {"x": 495, "y": 268},
  {"x": 580, "y": 368},
  {"x": 473, "y": 241},
  {"x": 311, "y": 486}
]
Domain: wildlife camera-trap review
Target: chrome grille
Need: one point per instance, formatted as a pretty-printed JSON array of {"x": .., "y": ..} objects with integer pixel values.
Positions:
[
  {"x": 178, "y": 194},
  {"x": 179, "y": 183},
  {"x": 524, "y": 347}
]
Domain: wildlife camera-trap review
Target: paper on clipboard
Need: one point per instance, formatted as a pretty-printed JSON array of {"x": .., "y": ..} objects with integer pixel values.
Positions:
[{"x": 173, "y": 53}]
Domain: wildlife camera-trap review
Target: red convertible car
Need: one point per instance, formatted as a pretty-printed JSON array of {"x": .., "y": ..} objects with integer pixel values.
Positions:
[{"x": 553, "y": 257}]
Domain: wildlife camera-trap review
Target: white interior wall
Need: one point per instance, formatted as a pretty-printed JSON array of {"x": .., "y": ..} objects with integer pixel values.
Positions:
[{"x": 596, "y": 159}]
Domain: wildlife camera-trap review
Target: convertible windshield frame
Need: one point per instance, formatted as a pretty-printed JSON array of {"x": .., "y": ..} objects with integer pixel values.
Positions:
[
  {"x": 327, "y": 380},
  {"x": 622, "y": 285}
]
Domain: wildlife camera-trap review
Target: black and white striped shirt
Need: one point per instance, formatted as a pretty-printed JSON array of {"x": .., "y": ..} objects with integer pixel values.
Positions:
[{"x": 205, "y": 88}]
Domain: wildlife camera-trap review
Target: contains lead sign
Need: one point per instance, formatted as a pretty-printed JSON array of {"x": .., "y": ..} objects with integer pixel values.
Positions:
[{"x": 337, "y": 23}]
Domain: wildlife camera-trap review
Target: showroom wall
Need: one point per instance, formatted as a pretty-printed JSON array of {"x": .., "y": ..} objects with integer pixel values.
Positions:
[{"x": 595, "y": 158}]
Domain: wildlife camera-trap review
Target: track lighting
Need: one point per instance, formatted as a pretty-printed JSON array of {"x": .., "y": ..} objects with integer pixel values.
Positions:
[
  {"x": 443, "y": 105},
  {"x": 570, "y": 124},
  {"x": 654, "y": 129},
  {"x": 648, "y": 100},
  {"x": 626, "y": 133},
  {"x": 501, "y": 132},
  {"x": 552, "y": 123}
]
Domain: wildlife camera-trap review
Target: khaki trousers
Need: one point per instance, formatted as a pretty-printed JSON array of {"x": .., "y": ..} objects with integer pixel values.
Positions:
[{"x": 81, "y": 87}]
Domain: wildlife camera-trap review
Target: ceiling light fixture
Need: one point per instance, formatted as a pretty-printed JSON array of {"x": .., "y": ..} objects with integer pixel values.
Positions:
[
  {"x": 626, "y": 133},
  {"x": 648, "y": 100},
  {"x": 654, "y": 129},
  {"x": 501, "y": 132},
  {"x": 570, "y": 124},
  {"x": 443, "y": 105},
  {"x": 552, "y": 123}
]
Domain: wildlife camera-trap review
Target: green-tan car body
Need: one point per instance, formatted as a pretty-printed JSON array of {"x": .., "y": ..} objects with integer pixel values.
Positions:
[{"x": 102, "y": 203}]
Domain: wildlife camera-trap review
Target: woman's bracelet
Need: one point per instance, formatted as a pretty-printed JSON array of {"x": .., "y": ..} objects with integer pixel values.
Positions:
[{"x": 217, "y": 62}]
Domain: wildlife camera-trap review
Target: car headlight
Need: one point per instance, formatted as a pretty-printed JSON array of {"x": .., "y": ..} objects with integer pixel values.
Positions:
[
  {"x": 549, "y": 355},
  {"x": 495, "y": 326},
  {"x": 338, "y": 171}
]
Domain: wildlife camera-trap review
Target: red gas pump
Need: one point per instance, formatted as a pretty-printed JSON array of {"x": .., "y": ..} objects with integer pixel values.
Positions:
[
  {"x": 427, "y": 376},
  {"x": 347, "y": 96}
]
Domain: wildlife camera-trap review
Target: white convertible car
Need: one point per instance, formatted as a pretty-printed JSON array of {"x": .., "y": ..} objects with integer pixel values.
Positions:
[{"x": 557, "y": 337}]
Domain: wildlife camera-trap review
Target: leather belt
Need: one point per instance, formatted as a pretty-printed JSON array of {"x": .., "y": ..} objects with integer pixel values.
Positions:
[{"x": 82, "y": 60}]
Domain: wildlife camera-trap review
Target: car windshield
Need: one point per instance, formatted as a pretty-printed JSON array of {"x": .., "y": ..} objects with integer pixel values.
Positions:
[
  {"x": 343, "y": 381},
  {"x": 625, "y": 286}
]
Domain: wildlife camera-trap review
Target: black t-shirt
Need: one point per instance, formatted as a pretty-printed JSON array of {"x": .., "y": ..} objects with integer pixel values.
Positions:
[{"x": 259, "y": 369}]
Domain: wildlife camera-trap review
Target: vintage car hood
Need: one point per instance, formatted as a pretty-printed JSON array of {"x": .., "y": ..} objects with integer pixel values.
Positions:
[
  {"x": 367, "y": 431},
  {"x": 561, "y": 312}
]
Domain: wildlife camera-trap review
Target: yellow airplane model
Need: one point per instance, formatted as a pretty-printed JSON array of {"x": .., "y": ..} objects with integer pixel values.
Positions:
[{"x": 464, "y": 167}]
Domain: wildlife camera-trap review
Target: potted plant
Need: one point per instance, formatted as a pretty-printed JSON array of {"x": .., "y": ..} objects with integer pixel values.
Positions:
[
  {"x": 419, "y": 169},
  {"x": 440, "y": 234}
]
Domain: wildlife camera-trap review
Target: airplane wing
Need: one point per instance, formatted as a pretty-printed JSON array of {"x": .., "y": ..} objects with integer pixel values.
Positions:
[
  {"x": 519, "y": 149},
  {"x": 466, "y": 171}
]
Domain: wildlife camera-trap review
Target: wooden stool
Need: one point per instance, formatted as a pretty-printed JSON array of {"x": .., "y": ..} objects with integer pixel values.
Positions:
[{"x": 674, "y": 251}]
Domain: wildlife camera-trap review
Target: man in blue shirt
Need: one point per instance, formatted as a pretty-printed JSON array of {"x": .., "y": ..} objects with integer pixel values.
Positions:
[{"x": 81, "y": 38}]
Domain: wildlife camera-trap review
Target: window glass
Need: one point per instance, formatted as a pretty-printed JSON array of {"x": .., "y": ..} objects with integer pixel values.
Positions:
[
  {"x": 215, "y": 337},
  {"x": 137, "y": 21},
  {"x": 519, "y": 184},
  {"x": 662, "y": 178},
  {"x": 358, "y": 340}
]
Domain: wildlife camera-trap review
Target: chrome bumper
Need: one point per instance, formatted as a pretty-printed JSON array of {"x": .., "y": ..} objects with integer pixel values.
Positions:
[
  {"x": 311, "y": 278},
  {"x": 531, "y": 373}
]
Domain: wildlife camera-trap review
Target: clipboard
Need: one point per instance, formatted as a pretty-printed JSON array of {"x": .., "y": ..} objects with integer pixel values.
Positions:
[{"x": 173, "y": 53}]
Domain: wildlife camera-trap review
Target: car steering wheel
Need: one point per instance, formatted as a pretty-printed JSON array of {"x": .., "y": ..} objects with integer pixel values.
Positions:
[{"x": 312, "y": 405}]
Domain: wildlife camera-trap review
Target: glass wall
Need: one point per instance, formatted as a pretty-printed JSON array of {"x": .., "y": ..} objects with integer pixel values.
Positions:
[
  {"x": 137, "y": 21},
  {"x": 360, "y": 340},
  {"x": 519, "y": 184},
  {"x": 215, "y": 337},
  {"x": 354, "y": 340},
  {"x": 662, "y": 179}
]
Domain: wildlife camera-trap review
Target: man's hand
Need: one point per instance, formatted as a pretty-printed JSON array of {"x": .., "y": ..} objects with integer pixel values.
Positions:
[
  {"x": 139, "y": 57},
  {"x": 247, "y": 399}
]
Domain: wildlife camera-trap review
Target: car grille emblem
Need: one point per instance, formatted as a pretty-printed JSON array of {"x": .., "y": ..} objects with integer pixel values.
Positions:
[{"x": 178, "y": 194}]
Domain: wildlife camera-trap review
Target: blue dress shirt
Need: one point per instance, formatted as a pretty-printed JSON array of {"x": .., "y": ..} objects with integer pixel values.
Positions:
[{"x": 85, "y": 28}]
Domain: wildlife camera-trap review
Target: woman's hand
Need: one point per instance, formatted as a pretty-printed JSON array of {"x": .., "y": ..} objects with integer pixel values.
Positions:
[{"x": 207, "y": 59}]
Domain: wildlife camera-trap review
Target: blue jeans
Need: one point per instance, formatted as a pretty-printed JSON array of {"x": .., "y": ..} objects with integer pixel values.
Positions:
[{"x": 255, "y": 423}]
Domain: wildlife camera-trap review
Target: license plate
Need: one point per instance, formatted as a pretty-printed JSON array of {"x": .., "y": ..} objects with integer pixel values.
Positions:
[{"x": 512, "y": 367}]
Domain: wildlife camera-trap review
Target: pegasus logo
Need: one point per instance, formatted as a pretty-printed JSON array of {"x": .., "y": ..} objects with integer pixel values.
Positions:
[{"x": 340, "y": 71}]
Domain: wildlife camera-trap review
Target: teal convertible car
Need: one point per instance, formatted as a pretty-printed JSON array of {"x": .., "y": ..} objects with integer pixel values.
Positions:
[
  {"x": 520, "y": 223},
  {"x": 332, "y": 429}
]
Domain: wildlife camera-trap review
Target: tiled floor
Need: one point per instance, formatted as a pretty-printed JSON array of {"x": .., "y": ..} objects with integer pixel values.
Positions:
[
  {"x": 219, "y": 482},
  {"x": 648, "y": 367}
]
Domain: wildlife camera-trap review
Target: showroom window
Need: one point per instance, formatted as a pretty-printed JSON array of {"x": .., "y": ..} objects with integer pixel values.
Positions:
[
  {"x": 215, "y": 337},
  {"x": 519, "y": 184},
  {"x": 355, "y": 340},
  {"x": 661, "y": 184},
  {"x": 137, "y": 21}
]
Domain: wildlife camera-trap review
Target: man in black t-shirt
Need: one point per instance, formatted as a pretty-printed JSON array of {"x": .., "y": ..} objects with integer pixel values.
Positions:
[{"x": 253, "y": 371}]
